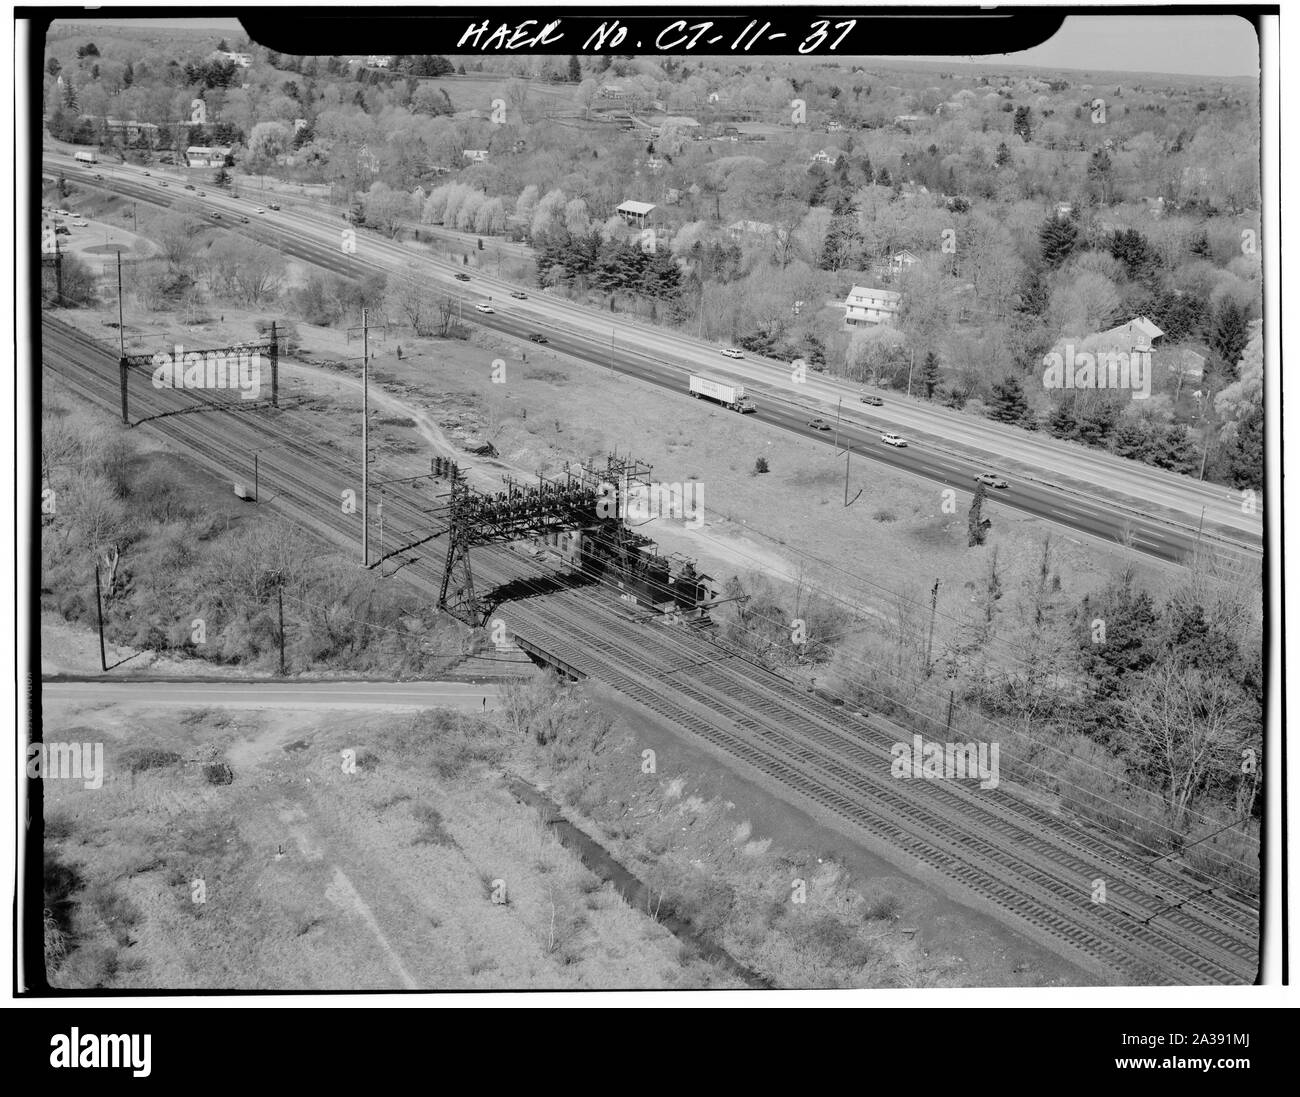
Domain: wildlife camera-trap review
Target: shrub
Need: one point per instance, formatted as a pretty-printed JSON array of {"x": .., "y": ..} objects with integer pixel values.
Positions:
[{"x": 760, "y": 465}]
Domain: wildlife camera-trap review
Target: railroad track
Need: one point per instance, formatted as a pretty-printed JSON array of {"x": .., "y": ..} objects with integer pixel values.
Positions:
[{"x": 1034, "y": 869}]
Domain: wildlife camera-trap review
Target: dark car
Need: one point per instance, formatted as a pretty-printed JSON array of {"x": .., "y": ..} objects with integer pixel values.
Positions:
[
  {"x": 148, "y": 173},
  {"x": 819, "y": 424},
  {"x": 538, "y": 337},
  {"x": 98, "y": 176},
  {"x": 162, "y": 182},
  {"x": 272, "y": 205},
  {"x": 216, "y": 216},
  {"x": 243, "y": 220},
  {"x": 189, "y": 186},
  {"x": 203, "y": 194},
  {"x": 519, "y": 295},
  {"x": 874, "y": 401},
  {"x": 991, "y": 481},
  {"x": 62, "y": 230},
  {"x": 461, "y": 277}
]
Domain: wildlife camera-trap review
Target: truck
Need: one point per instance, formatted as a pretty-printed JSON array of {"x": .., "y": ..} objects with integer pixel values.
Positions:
[
  {"x": 86, "y": 158},
  {"x": 721, "y": 392}
]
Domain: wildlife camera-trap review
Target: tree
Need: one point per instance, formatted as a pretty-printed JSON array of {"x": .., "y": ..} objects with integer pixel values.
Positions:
[
  {"x": 1007, "y": 403},
  {"x": 977, "y": 526},
  {"x": 1057, "y": 237},
  {"x": 52, "y": 66},
  {"x": 1003, "y": 157},
  {"x": 1022, "y": 127},
  {"x": 575, "y": 70},
  {"x": 1230, "y": 332},
  {"x": 930, "y": 374}
]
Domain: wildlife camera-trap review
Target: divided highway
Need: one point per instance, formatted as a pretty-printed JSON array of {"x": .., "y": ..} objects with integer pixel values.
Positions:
[{"x": 1225, "y": 531}]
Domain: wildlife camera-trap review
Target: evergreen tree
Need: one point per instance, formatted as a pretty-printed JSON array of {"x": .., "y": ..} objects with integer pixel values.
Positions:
[
  {"x": 575, "y": 70},
  {"x": 930, "y": 374},
  {"x": 128, "y": 75},
  {"x": 1244, "y": 459},
  {"x": 1062, "y": 423},
  {"x": 1007, "y": 401},
  {"x": 1022, "y": 127},
  {"x": 1004, "y": 155},
  {"x": 1057, "y": 238},
  {"x": 1229, "y": 334}
]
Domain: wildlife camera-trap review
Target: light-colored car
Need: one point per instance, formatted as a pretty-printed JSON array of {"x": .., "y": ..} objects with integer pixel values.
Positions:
[
  {"x": 733, "y": 352},
  {"x": 483, "y": 306},
  {"x": 891, "y": 439},
  {"x": 872, "y": 400},
  {"x": 80, "y": 224},
  {"x": 259, "y": 210},
  {"x": 991, "y": 481}
]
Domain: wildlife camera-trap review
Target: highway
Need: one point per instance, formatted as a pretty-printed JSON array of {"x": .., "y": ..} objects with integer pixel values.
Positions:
[
  {"x": 240, "y": 693},
  {"x": 1049, "y": 481}
]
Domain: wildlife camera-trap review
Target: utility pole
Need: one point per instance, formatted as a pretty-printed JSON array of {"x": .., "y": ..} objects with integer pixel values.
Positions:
[
  {"x": 275, "y": 365},
  {"x": 99, "y": 614},
  {"x": 121, "y": 328},
  {"x": 910, "y": 366},
  {"x": 929, "y": 640},
  {"x": 848, "y": 456},
  {"x": 255, "y": 495},
  {"x": 381, "y": 533},
  {"x": 365, "y": 437},
  {"x": 950, "y": 704}
]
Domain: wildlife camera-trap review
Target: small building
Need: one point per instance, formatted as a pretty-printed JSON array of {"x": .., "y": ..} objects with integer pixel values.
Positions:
[
  {"x": 866, "y": 307},
  {"x": 475, "y": 156},
  {"x": 636, "y": 213},
  {"x": 376, "y": 61},
  {"x": 206, "y": 156},
  {"x": 741, "y": 230},
  {"x": 834, "y": 126},
  {"x": 1139, "y": 334},
  {"x": 823, "y": 156},
  {"x": 243, "y": 60}
]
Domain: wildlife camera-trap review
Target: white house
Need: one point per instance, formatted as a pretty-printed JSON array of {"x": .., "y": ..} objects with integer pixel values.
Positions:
[
  {"x": 1139, "y": 334},
  {"x": 866, "y": 307},
  {"x": 375, "y": 61},
  {"x": 636, "y": 213},
  {"x": 476, "y": 156},
  {"x": 206, "y": 156},
  {"x": 243, "y": 60}
]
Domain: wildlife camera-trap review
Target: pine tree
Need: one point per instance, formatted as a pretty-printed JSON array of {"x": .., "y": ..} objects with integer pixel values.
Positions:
[
  {"x": 1007, "y": 401},
  {"x": 1229, "y": 334},
  {"x": 128, "y": 75},
  {"x": 1062, "y": 422},
  {"x": 1057, "y": 237},
  {"x": 575, "y": 70},
  {"x": 70, "y": 98},
  {"x": 1004, "y": 155},
  {"x": 930, "y": 374}
]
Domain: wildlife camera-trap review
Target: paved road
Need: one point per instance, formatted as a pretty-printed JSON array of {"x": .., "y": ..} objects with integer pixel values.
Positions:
[
  {"x": 1132, "y": 510},
  {"x": 462, "y": 695}
]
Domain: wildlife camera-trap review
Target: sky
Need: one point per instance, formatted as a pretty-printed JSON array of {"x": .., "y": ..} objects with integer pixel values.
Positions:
[{"x": 1196, "y": 45}]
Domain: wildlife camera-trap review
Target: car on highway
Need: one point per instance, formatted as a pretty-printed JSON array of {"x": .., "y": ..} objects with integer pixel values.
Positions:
[
  {"x": 873, "y": 401},
  {"x": 216, "y": 216},
  {"x": 483, "y": 306},
  {"x": 519, "y": 295},
  {"x": 819, "y": 424},
  {"x": 243, "y": 220},
  {"x": 891, "y": 439},
  {"x": 62, "y": 230},
  {"x": 98, "y": 176},
  {"x": 991, "y": 481},
  {"x": 80, "y": 223},
  {"x": 148, "y": 173},
  {"x": 190, "y": 186},
  {"x": 273, "y": 205},
  {"x": 537, "y": 337},
  {"x": 162, "y": 182},
  {"x": 203, "y": 194},
  {"x": 461, "y": 277},
  {"x": 733, "y": 352},
  {"x": 259, "y": 210}
]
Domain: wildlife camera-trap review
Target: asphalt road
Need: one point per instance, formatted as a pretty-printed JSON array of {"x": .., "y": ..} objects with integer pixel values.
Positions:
[
  {"x": 299, "y": 235},
  {"x": 468, "y": 696}
]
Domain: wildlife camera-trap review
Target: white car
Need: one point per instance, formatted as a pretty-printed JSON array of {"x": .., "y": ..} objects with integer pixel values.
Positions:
[
  {"x": 484, "y": 307},
  {"x": 259, "y": 210},
  {"x": 733, "y": 352},
  {"x": 891, "y": 439},
  {"x": 79, "y": 223}
]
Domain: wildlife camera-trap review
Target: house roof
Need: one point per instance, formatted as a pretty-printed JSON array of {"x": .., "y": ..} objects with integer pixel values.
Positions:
[
  {"x": 877, "y": 294},
  {"x": 640, "y": 208}
]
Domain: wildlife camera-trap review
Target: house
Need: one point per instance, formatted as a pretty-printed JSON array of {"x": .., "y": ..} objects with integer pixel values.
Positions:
[
  {"x": 243, "y": 60},
  {"x": 1139, "y": 334},
  {"x": 1187, "y": 364},
  {"x": 739, "y": 230},
  {"x": 475, "y": 156},
  {"x": 834, "y": 126},
  {"x": 900, "y": 261},
  {"x": 904, "y": 119},
  {"x": 866, "y": 307},
  {"x": 376, "y": 61},
  {"x": 1062, "y": 210},
  {"x": 206, "y": 156},
  {"x": 636, "y": 213},
  {"x": 823, "y": 156},
  {"x": 129, "y": 129}
]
